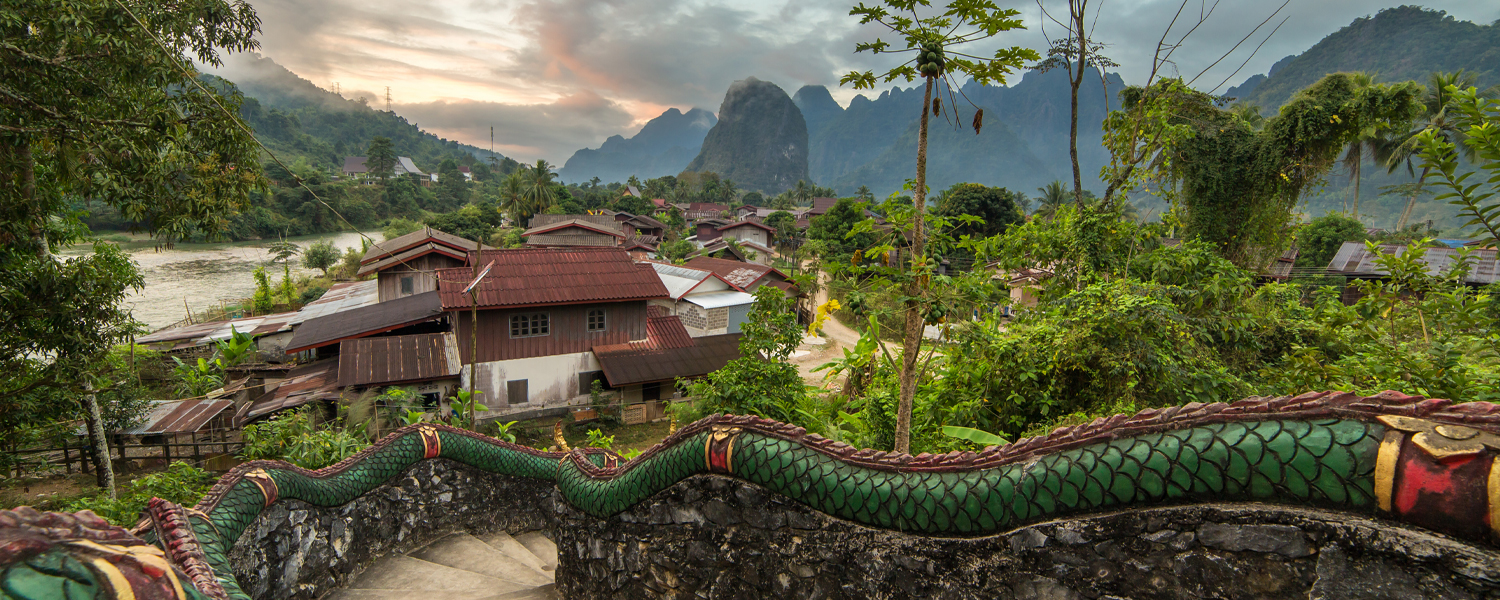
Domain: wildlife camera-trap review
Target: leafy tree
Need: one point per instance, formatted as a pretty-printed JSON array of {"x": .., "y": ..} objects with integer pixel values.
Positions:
[
  {"x": 452, "y": 187},
  {"x": 753, "y": 198},
  {"x": 784, "y": 223},
  {"x": 833, "y": 230},
  {"x": 1078, "y": 55},
  {"x": 676, "y": 251},
  {"x": 1403, "y": 149},
  {"x": 321, "y": 256},
  {"x": 399, "y": 227},
  {"x": 283, "y": 250},
  {"x": 262, "y": 299},
  {"x": 287, "y": 289},
  {"x": 864, "y": 193},
  {"x": 98, "y": 104},
  {"x": 634, "y": 205},
  {"x": 538, "y": 190},
  {"x": 995, "y": 208},
  {"x": 468, "y": 222},
  {"x": 1319, "y": 240},
  {"x": 380, "y": 158},
  {"x": 761, "y": 381},
  {"x": 1234, "y": 186},
  {"x": 935, "y": 42},
  {"x": 1477, "y": 120},
  {"x": 1053, "y": 196}
]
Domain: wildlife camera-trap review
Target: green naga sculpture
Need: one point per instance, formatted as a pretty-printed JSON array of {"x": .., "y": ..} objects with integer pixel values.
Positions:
[{"x": 1431, "y": 463}]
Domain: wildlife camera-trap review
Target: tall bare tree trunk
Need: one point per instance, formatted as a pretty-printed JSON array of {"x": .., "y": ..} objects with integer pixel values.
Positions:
[
  {"x": 916, "y": 290},
  {"x": 106, "y": 470},
  {"x": 1077, "y": 14}
]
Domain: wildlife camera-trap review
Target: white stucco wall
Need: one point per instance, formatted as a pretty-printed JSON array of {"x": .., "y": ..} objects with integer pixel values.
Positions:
[{"x": 552, "y": 381}]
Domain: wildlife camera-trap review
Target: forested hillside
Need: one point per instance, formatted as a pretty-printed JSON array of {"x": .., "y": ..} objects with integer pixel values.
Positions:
[
  {"x": 299, "y": 120},
  {"x": 1397, "y": 44}
]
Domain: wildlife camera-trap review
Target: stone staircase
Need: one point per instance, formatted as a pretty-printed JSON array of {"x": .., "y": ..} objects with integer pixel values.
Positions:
[{"x": 496, "y": 566}]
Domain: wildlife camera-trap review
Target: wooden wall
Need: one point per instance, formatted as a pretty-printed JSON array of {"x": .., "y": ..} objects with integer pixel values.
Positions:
[
  {"x": 389, "y": 286},
  {"x": 625, "y": 321}
]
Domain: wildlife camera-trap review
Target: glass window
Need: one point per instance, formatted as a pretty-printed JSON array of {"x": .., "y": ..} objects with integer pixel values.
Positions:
[
  {"x": 529, "y": 325},
  {"x": 596, "y": 319},
  {"x": 406, "y": 286}
]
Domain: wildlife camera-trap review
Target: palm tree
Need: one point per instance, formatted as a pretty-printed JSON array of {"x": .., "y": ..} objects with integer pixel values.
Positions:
[
  {"x": 1053, "y": 196},
  {"x": 1403, "y": 149},
  {"x": 537, "y": 194},
  {"x": 1370, "y": 143},
  {"x": 512, "y": 189},
  {"x": 802, "y": 193}
]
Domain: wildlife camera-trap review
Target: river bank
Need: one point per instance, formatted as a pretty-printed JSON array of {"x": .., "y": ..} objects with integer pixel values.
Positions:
[{"x": 199, "y": 276}]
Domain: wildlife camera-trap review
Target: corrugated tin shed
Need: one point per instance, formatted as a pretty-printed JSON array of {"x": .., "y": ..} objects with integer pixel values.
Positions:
[
  {"x": 307, "y": 383},
  {"x": 1355, "y": 260},
  {"x": 398, "y": 359},
  {"x": 366, "y": 321},
  {"x": 539, "y": 276},
  {"x": 626, "y": 366},
  {"x": 204, "y": 333},
  {"x": 410, "y": 255},
  {"x": 180, "y": 416},
  {"x": 339, "y": 298}
]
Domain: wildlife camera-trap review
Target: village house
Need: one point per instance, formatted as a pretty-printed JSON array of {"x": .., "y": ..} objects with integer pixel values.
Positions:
[
  {"x": 355, "y": 168},
  {"x": 644, "y": 371},
  {"x": 1355, "y": 261},
  {"x": 745, "y": 277},
  {"x": 748, "y": 231},
  {"x": 705, "y": 302},
  {"x": 408, "y": 264},
  {"x": 541, "y": 313},
  {"x": 745, "y": 251}
]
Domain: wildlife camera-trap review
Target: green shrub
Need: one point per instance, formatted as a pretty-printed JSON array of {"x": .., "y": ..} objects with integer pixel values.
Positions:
[
  {"x": 182, "y": 483},
  {"x": 294, "y": 437}
]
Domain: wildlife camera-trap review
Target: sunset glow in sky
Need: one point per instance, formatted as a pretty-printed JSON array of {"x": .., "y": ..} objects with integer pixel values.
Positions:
[{"x": 553, "y": 76}]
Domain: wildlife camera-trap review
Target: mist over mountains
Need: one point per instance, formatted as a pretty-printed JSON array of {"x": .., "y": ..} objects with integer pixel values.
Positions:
[{"x": 662, "y": 147}]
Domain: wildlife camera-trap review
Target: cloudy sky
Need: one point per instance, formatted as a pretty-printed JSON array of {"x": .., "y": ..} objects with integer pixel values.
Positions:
[{"x": 553, "y": 76}]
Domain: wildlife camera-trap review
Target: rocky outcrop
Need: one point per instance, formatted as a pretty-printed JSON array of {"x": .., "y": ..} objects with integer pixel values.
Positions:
[
  {"x": 817, "y": 106},
  {"x": 760, "y": 141},
  {"x": 663, "y": 147}
]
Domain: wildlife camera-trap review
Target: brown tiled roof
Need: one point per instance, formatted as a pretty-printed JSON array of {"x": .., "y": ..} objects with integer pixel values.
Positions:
[
  {"x": 822, "y": 205},
  {"x": 414, "y": 239},
  {"x": 366, "y": 320},
  {"x": 398, "y": 359},
  {"x": 308, "y": 383},
  {"x": 538, "y": 276},
  {"x": 739, "y": 274},
  {"x": 606, "y": 218},
  {"x": 625, "y": 366},
  {"x": 646, "y": 222}
]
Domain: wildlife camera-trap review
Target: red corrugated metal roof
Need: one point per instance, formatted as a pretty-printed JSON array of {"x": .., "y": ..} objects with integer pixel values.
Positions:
[
  {"x": 537, "y": 276},
  {"x": 747, "y": 224},
  {"x": 580, "y": 224},
  {"x": 414, "y": 239}
]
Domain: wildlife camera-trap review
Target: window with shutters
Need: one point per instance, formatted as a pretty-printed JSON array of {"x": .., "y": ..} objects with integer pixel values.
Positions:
[
  {"x": 530, "y": 325},
  {"x": 596, "y": 320},
  {"x": 515, "y": 391}
]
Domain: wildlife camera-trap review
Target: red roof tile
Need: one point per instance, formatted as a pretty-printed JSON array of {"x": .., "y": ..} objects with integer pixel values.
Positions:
[{"x": 538, "y": 276}]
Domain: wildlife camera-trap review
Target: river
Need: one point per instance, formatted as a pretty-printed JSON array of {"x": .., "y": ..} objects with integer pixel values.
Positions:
[{"x": 204, "y": 275}]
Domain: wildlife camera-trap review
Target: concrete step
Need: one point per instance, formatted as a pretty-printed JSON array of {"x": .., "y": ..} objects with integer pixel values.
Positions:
[
  {"x": 539, "y": 545},
  {"x": 508, "y": 545},
  {"x": 468, "y": 553},
  {"x": 405, "y": 573}
]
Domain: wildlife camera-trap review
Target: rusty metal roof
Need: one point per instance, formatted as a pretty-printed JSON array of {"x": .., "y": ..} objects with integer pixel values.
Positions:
[
  {"x": 574, "y": 223},
  {"x": 203, "y": 333},
  {"x": 1354, "y": 260},
  {"x": 412, "y": 254},
  {"x": 339, "y": 298},
  {"x": 307, "y": 383},
  {"x": 538, "y": 276},
  {"x": 414, "y": 239},
  {"x": 739, "y": 224},
  {"x": 366, "y": 321},
  {"x": 398, "y": 359},
  {"x": 180, "y": 416},
  {"x": 625, "y": 366}
]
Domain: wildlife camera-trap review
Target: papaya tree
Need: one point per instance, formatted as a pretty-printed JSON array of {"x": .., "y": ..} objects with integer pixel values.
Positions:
[{"x": 938, "y": 49}]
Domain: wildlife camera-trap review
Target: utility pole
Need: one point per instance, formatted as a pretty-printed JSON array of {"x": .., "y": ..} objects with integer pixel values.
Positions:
[
  {"x": 388, "y": 99},
  {"x": 337, "y": 91}
]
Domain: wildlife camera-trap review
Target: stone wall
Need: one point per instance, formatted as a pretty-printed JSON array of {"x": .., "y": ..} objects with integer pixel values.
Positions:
[
  {"x": 295, "y": 550},
  {"x": 716, "y": 537}
]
